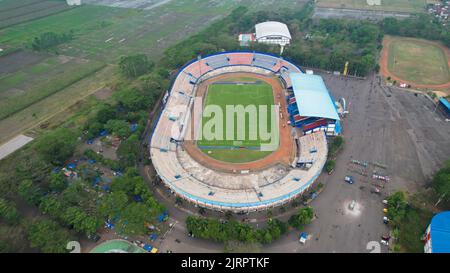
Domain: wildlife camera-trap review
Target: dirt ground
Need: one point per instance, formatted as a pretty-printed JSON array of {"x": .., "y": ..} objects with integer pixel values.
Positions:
[
  {"x": 284, "y": 154},
  {"x": 384, "y": 70}
]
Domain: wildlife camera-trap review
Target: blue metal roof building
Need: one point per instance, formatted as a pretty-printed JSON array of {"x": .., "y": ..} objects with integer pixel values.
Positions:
[
  {"x": 438, "y": 234},
  {"x": 310, "y": 105},
  {"x": 312, "y": 96}
]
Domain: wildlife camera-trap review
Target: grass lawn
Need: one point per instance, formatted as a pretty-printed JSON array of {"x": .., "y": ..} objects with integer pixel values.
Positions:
[
  {"x": 238, "y": 94},
  {"x": 236, "y": 156},
  {"x": 386, "y": 5},
  {"x": 403, "y": 61}
]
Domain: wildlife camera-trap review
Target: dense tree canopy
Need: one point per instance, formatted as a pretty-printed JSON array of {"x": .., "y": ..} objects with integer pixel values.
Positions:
[
  {"x": 135, "y": 65},
  {"x": 48, "y": 236},
  {"x": 57, "y": 146},
  {"x": 441, "y": 182},
  {"x": 302, "y": 217},
  {"x": 49, "y": 40}
]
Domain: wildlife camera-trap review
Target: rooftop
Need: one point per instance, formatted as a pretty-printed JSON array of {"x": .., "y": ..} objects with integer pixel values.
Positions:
[
  {"x": 312, "y": 96},
  {"x": 272, "y": 28},
  {"x": 440, "y": 232}
]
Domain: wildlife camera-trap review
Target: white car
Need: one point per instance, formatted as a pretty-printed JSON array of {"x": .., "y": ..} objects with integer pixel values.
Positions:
[{"x": 351, "y": 206}]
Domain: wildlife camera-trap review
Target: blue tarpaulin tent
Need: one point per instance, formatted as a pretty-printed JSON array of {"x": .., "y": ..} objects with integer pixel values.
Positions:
[
  {"x": 148, "y": 247},
  {"x": 133, "y": 127},
  {"x": 163, "y": 216}
]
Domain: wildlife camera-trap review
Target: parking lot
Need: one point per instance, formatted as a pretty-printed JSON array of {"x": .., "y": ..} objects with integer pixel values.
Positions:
[{"x": 387, "y": 125}]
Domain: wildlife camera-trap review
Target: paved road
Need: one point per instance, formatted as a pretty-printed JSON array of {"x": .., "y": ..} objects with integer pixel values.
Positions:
[{"x": 391, "y": 126}]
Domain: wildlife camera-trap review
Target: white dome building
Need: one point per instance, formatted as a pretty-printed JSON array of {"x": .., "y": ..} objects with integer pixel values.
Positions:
[{"x": 272, "y": 32}]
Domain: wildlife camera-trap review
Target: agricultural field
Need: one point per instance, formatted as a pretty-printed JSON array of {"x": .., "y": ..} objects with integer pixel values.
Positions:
[
  {"x": 38, "y": 86},
  {"x": 410, "y": 6},
  {"x": 14, "y": 12},
  {"x": 401, "y": 61},
  {"x": 27, "y": 86},
  {"x": 58, "y": 106},
  {"x": 105, "y": 33}
]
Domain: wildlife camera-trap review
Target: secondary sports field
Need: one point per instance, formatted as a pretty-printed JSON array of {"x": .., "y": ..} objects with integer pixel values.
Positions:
[
  {"x": 245, "y": 93},
  {"x": 386, "y": 5},
  {"x": 421, "y": 63}
]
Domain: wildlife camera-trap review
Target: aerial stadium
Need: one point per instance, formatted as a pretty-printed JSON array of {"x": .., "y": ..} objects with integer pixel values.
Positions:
[{"x": 243, "y": 174}]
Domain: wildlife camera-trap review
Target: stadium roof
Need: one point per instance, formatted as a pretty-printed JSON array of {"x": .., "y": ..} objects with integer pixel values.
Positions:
[
  {"x": 271, "y": 28},
  {"x": 312, "y": 96},
  {"x": 440, "y": 232}
]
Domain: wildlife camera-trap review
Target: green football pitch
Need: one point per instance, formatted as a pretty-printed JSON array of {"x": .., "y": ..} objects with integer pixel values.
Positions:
[{"x": 254, "y": 94}]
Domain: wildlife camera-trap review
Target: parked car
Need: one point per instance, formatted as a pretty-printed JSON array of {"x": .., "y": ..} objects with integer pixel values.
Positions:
[
  {"x": 349, "y": 179},
  {"x": 352, "y": 205},
  {"x": 94, "y": 237},
  {"x": 375, "y": 190},
  {"x": 303, "y": 237}
]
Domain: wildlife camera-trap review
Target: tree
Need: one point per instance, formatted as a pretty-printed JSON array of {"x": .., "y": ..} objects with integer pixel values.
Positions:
[
  {"x": 329, "y": 166},
  {"x": 49, "y": 40},
  {"x": 397, "y": 206},
  {"x": 52, "y": 206},
  {"x": 57, "y": 182},
  {"x": 106, "y": 113},
  {"x": 8, "y": 212},
  {"x": 48, "y": 236},
  {"x": 135, "y": 65},
  {"x": 128, "y": 151},
  {"x": 13, "y": 239},
  {"x": 29, "y": 192},
  {"x": 133, "y": 218},
  {"x": 57, "y": 145},
  {"x": 81, "y": 221},
  {"x": 302, "y": 218},
  {"x": 133, "y": 99},
  {"x": 118, "y": 127},
  {"x": 112, "y": 204},
  {"x": 441, "y": 182}
]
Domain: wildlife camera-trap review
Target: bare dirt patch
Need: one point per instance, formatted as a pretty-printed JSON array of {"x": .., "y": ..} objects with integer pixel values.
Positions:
[{"x": 104, "y": 93}]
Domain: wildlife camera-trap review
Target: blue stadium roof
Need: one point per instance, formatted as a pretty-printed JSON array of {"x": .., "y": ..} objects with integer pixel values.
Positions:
[
  {"x": 440, "y": 232},
  {"x": 445, "y": 102},
  {"x": 312, "y": 96}
]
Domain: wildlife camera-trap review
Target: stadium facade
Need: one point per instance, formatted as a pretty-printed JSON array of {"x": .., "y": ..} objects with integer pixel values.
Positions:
[{"x": 248, "y": 190}]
